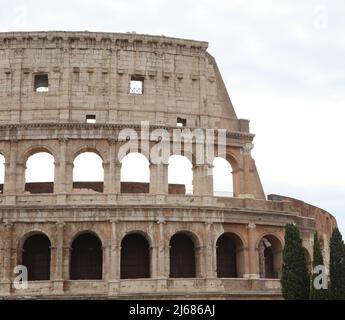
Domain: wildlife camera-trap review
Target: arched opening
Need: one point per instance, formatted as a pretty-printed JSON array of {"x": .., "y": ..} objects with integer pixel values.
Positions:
[
  {"x": 86, "y": 258},
  {"x": 88, "y": 173},
  {"x": 39, "y": 174},
  {"x": 308, "y": 260},
  {"x": 182, "y": 257},
  {"x": 2, "y": 173},
  {"x": 135, "y": 173},
  {"x": 180, "y": 175},
  {"x": 135, "y": 257},
  {"x": 222, "y": 178},
  {"x": 270, "y": 257},
  {"x": 230, "y": 256},
  {"x": 36, "y": 257}
]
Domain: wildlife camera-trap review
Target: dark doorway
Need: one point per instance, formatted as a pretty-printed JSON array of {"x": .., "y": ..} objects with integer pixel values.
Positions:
[
  {"x": 36, "y": 257},
  {"x": 86, "y": 258},
  {"x": 182, "y": 257},
  {"x": 226, "y": 257},
  {"x": 135, "y": 257},
  {"x": 269, "y": 264}
]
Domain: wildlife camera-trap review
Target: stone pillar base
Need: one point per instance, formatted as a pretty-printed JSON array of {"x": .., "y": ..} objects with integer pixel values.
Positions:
[
  {"x": 212, "y": 284},
  {"x": 5, "y": 288},
  {"x": 162, "y": 285},
  {"x": 58, "y": 286},
  {"x": 61, "y": 198},
  {"x": 251, "y": 276},
  {"x": 114, "y": 287},
  {"x": 10, "y": 199}
]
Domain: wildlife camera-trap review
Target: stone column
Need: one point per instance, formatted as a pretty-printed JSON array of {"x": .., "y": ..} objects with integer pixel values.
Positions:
[
  {"x": 247, "y": 185},
  {"x": 109, "y": 169},
  {"x": 114, "y": 261},
  {"x": 162, "y": 271},
  {"x": 58, "y": 267},
  {"x": 61, "y": 179},
  {"x": 69, "y": 177},
  {"x": 112, "y": 172},
  {"x": 5, "y": 284},
  {"x": 202, "y": 180},
  {"x": 10, "y": 173},
  {"x": 253, "y": 254},
  {"x": 209, "y": 254},
  {"x": 159, "y": 179}
]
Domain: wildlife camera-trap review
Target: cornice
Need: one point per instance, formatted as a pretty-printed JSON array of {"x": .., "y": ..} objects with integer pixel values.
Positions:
[
  {"x": 99, "y": 40},
  {"x": 16, "y": 129}
]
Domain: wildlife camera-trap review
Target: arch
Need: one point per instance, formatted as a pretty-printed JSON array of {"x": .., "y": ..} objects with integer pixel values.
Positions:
[
  {"x": 40, "y": 171},
  {"x": 182, "y": 256},
  {"x": 222, "y": 178},
  {"x": 36, "y": 256},
  {"x": 230, "y": 256},
  {"x": 2, "y": 173},
  {"x": 37, "y": 149},
  {"x": 270, "y": 257},
  {"x": 180, "y": 173},
  {"x": 135, "y": 173},
  {"x": 83, "y": 177},
  {"x": 87, "y": 149},
  {"x": 135, "y": 257},
  {"x": 86, "y": 257}
]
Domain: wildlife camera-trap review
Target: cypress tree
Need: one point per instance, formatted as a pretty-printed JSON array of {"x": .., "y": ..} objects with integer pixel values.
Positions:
[
  {"x": 337, "y": 266},
  {"x": 295, "y": 279},
  {"x": 316, "y": 294}
]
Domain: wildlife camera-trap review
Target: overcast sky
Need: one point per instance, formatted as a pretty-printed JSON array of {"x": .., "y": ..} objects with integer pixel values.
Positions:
[{"x": 283, "y": 63}]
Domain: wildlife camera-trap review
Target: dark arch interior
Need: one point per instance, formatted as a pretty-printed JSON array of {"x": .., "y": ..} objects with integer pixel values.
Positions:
[
  {"x": 135, "y": 257},
  {"x": 269, "y": 263},
  {"x": 182, "y": 257},
  {"x": 270, "y": 257},
  {"x": 86, "y": 258},
  {"x": 36, "y": 257},
  {"x": 226, "y": 257}
]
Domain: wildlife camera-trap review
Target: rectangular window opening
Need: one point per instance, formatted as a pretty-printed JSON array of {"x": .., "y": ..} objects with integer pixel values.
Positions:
[
  {"x": 41, "y": 83},
  {"x": 90, "y": 118},
  {"x": 181, "y": 122},
  {"x": 136, "y": 85}
]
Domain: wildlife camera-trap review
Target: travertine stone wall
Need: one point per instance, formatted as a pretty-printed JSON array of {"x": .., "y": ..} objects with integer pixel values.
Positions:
[{"x": 90, "y": 73}]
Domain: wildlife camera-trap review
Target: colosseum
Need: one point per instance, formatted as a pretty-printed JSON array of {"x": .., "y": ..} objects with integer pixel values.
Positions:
[{"x": 69, "y": 93}]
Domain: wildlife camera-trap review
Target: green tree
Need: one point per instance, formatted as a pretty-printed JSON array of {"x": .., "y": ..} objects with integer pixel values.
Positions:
[
  {"x": 316, "y": 294},
  {"x": 295, "y": 279},
  {"x": 337, "y": 265}
]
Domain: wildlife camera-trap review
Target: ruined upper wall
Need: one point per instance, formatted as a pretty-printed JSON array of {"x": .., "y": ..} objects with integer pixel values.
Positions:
[{"x": 90, "y": 73}]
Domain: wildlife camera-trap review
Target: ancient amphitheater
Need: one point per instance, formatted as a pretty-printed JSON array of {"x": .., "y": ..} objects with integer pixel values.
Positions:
[{"x": 67, "y": 93}]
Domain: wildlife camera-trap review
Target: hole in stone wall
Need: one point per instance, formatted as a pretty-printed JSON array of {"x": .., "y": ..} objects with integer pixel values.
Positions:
[
  {"x": 41, "y": 83},
  {"x": 2, "y": 173},
  {"x": 222, "y": 178},
  {"x": 88, "y": 172},
  {"x": 180, "y": 173},
  {"x": 136, "y": 85},
  {"x": 181, "y": 122},
  {"x": 135, "y": 173},
  {"x": 90, "y": 118},
  {"x": 39, "y": 174}
]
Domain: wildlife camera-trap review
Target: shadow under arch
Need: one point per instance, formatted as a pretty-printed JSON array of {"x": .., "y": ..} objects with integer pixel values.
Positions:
[
  {"x": 135, "y": 256},
  {"x": 184, "y": 255},
  {"x": 35, "y": 254},
  {"x": 270, "y": 249},
  {"x": 86, "y": 257},
  {"x": 230, "y": 256}
]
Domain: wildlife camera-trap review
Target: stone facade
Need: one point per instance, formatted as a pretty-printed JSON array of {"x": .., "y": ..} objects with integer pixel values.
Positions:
[{"x": 89, "y": 74}]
